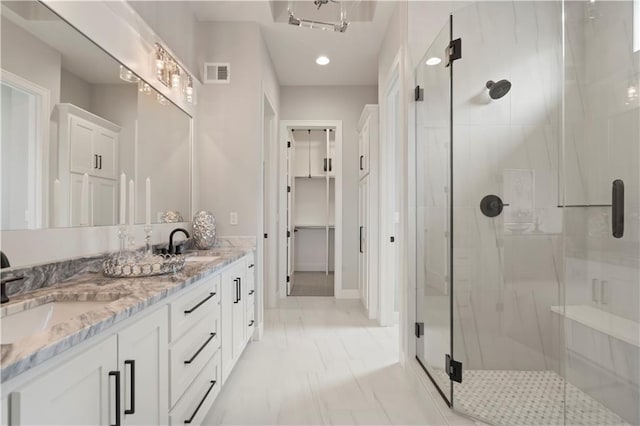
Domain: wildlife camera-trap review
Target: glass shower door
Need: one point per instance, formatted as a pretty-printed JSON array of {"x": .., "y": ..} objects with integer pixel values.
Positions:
[
  {"x": 433, "y": 245},
  {"x": 507, "y": 226}
]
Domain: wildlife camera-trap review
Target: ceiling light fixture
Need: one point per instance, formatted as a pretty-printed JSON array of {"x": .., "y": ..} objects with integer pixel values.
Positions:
[
  {"x": 322, "y": 60},
  {"x": 318, "y": 25},
  {"x": 433, "y": 61}
]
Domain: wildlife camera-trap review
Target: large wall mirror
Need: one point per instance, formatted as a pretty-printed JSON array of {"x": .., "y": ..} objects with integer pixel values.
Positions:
[{"x": 73, "y": 121}]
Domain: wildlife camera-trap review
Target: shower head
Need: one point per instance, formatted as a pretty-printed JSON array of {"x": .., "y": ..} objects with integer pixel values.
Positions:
[{"x": 498, "y": 89}]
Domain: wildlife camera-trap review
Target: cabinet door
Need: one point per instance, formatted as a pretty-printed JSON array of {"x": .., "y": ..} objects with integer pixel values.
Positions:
[
  {"x": 227, "y": 303},
  {"x": 78, "y": 392},
  {"x": 143, "y": 363},
  {"x": 104, "y": 199},
  {"x": 250, "y": 294},
  {"x": 76, "y": 199},
  {"x": 81, "y": 146},
  {"x": 239, "y": 313},
  {"x": 105, "y": 145}
]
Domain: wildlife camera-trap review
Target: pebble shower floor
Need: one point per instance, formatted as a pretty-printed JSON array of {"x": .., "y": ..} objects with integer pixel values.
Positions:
[{"x": 528, "y": 398}]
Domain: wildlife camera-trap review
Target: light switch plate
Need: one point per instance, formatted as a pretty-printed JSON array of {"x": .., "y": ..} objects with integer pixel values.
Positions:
[{"x": 233, "y": 218}]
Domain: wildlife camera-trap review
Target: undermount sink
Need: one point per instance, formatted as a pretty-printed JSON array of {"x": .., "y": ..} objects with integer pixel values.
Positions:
[{"x": 22, "y": 324}]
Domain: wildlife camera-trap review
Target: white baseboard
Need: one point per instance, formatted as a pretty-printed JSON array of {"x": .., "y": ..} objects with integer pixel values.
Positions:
[{"x": 348, "y": 294}]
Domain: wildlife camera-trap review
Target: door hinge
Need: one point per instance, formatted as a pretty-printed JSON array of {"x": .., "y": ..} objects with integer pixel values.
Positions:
[
  {"x": 266, "y": 235},
  {"x": 453, "y": 368},
  {"x": 288, "y": 144},
  {"x": 454, "y": 50},
  {"x": 288, "y": 188},
  {"x": 288, "y": 234},
  {"x": 419, "y": 329},
  {"x": 419, "y": 94},
  {"x": 288, "y": 278},
  {"x": 392, "y": 239}
]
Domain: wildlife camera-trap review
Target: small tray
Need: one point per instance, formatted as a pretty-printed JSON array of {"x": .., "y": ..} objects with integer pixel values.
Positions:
[{"x": 143, "y": 266}]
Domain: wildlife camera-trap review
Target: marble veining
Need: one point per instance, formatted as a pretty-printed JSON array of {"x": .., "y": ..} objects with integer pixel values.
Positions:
[{"x": 130, "y": 296}]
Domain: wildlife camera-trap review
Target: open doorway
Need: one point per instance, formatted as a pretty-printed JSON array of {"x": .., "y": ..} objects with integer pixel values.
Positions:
[{"x": 312, "y": 208}]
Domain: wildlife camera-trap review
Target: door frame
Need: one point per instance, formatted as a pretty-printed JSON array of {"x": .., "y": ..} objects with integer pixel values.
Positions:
[
  {"x": 390, "y": 194},
  {"x": 39, "y": 201},
  {"x": 282, "y": 204},
  {"x": 267, "y": 253}
]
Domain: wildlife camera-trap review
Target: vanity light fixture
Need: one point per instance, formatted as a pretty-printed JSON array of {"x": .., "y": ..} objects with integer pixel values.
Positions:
[
  {"x": 161, "y": 99},
  {"x": 143, "y": 87},
  {"x": 171, "y": 74},
  {"x": 322, "y": 60},
  {"x": 434, "y": 60},
  {"x": 127, "y": 75}
]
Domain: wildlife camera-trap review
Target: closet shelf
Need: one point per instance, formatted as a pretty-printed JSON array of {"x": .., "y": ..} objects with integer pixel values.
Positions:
[{"x": 313, "y": 226}]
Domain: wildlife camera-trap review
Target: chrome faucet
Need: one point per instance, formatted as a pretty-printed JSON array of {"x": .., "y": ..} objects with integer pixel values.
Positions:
[{"x": 178, "y": 249}]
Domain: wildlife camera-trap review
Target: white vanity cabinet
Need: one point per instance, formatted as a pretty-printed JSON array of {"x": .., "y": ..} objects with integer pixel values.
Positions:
[
  {"x": 194, "y": 352},
  {"x": 156, "y": 368},
  {"x": 236, "y": 302},
  {"x": 130, "y": 365},
  {"x": 142, "y": 362},
  {"x": 78, "y": 392},
  {"x": 250, "y": 295}
]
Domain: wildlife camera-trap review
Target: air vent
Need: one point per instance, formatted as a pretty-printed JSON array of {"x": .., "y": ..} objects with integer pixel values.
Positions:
[{"x": 215, "y": 72}]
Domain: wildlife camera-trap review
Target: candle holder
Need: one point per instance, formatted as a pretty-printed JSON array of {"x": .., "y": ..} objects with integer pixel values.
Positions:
[
  {"x": 148, "y": 232},
  {"x": 122, "y": 235},
  {"x": 131, "y": 238}
]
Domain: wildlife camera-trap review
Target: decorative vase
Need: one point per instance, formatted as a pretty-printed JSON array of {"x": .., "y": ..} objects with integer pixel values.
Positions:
[{"x": 204, "y": 230}]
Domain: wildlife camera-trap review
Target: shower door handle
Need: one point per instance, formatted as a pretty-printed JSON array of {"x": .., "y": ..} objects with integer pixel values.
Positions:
[{"x": 617, "y": 208}]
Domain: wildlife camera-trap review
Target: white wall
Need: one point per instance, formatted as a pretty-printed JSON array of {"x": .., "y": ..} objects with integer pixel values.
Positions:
[
  {"x": 74, "y": 90},
  {"x": 337, "y": 103},
  {"x": 229, "y": 131}
]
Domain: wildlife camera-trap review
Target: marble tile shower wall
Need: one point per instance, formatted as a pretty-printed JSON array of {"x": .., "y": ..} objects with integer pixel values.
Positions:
[
  {"x": 507, "y": 269},
  {"x": 602, "y": 143}
]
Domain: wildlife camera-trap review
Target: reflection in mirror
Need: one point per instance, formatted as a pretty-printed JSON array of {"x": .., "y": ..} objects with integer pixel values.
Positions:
[{"x": 74, "y": 119}]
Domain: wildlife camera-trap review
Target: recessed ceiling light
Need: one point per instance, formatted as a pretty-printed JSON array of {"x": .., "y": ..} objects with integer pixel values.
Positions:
[
  {"x": 433, "y": 60},
  {"x": 322, "y": 60}
]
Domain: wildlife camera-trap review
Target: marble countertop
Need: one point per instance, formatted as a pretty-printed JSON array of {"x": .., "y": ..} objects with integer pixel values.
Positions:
[{"x": 125, "y": 296}]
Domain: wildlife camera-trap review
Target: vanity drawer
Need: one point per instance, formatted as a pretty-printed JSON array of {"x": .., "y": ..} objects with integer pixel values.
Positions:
[
  {"x": 188, "y": 310},
  {"x": 199, "y": 397},
  {"x": 189, "y": 355}
]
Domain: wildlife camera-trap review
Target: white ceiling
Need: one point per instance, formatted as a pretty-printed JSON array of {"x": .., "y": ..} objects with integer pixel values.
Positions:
[{"x": 293, "y": 50}]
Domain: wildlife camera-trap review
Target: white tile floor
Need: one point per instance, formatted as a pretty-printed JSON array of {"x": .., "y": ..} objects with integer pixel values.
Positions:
[{"x": 322, "y": 362}]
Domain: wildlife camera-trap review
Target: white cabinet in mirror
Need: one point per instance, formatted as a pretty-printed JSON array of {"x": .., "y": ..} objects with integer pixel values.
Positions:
[{"x": 74, "y": 119}]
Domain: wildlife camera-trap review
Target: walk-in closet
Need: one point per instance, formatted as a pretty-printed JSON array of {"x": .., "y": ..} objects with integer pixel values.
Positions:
[{"x": 312, "y": 195}]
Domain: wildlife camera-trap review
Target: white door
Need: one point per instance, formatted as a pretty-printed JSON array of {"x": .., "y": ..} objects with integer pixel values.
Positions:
[
  {"x": 104, "y": 201},
  {"x": 142, "y": 360},
  {"x": 291, "y": 232},
  {"x": 105, "y": 145},
  {"x": 363, "y": 256},
  {"x": 79, "y": 392},
  {"x": 82, "y": 158}
]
